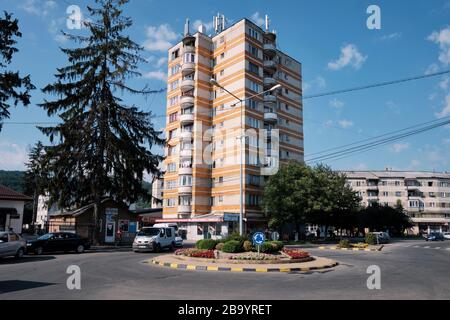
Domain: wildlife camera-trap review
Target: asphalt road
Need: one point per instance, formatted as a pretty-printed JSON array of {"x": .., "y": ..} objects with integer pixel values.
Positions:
[{"x": 409, "y": 270}]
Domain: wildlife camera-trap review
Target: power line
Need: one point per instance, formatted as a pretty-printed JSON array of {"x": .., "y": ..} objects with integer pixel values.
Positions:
[
  {"x": 375, "y": 85},
  {"x": 369, "y": 146}
]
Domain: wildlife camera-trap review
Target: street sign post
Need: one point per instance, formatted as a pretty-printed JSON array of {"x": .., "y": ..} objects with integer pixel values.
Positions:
[{"x": 258, "y": 239}]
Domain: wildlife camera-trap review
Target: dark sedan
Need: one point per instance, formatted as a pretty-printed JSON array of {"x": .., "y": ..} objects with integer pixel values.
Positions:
[
  {"x": 58, "y": 241},
  {"x": 435, "y": 236}
]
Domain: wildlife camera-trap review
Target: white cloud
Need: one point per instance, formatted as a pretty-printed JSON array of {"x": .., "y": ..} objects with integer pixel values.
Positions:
[
  {"x": 350, "y": 56},
  {"x": 361, "y": 167},
  {"x": 12, "y": 156},
  {"x": 399, "y": 147},
  {"x": 337, "y": 104},
  {"x": 159, "y": 38},
  {"x": 318, "y": 82},
  {"x": 197, "y": 23},
  {"x": 392, "y": 36},
  {"x": 446, "y": 109},
  {"x": 156, "y": 75},
  {"x": 345, "y": 123},
  {"x": 444, "y": 83},
  {"x": 432, "y": 68},
  {"x": 414, "y": 164},
  {"x": 393, "y": 106},
  {"x": 38, "y": 7},
  {"x": 55, "y": 27},
  {"x": 446, "y": 141},
  {"x": 257, "y": 19},
  {"x": 442, "y": 38},
  {"x": 157, "y": 62}
]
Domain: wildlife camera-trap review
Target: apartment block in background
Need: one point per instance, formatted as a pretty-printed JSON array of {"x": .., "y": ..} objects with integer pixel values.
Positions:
[
  {"x": 424, "y": 195},
  {"x": 202, "y": 168}
]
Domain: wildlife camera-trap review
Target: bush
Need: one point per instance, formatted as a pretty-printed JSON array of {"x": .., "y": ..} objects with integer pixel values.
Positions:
[
  {"x": 232, "y": 246},
  {"x": 235, "y": 237},
  {"x": 248, "y": 246},
  {"x": 371, "y": 238},
  {"x": 219, "y": 246},
  {"x": 206, "y": 244},
  {"x": 344, "y": 244},
  {"x": 278, "y": 245},
  {"x": 267, "y": 247}
]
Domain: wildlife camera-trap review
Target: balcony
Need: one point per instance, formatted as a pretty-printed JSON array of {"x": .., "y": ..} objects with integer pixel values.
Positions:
[
  {"x": 186, "y": 135},
  {"x": 186, "y": 153},
  {"x": 271, "y": 36},
  {"x": 269, "y": 82},
  {"x": 185, "y": 171},
  {"x": 270, "y": 117},
  {"x": 270, "y": 49},
  {"x": 189, "y": 49},
  {"x": 270, "y": 99},
  {"x": 187, "y": 101},
  {"x": 184, "y": 209},
  {"x": 187, "y": 85},
  {"x": 184, "y": 189},
  {"x": 270, "y": 65},
  {"x": 187, "y": 118},
  {"x": 187, "y": 68}
]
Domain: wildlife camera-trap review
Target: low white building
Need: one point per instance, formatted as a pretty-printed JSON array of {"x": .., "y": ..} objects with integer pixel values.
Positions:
[
  {"x": 424, "y": 195},
  {"x": 11, "y": 209}
]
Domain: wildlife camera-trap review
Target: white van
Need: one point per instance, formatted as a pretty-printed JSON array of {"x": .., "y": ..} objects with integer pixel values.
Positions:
[
  {"x": 178, "y": 238},
  {"x": 154, "y": 239}
]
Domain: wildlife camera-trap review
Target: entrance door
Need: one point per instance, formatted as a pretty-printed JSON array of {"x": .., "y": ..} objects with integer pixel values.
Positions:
[{"x": 110, "y": 232}]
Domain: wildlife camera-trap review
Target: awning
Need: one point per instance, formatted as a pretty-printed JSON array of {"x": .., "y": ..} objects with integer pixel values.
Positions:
[{"x": 193, "y": 220}]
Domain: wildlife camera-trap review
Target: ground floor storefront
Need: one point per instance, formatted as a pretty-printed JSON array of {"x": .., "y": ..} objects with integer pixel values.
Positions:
[{"x": 429, "y": 225}]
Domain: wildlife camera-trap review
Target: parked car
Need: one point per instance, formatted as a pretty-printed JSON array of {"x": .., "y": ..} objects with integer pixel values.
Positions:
[
  {"x": 12, "y": 245},
  {"x": 178, "y": 238},
  {"x": 435, "y": 236},
  {"x": 446, "y": 235},
  {"x": 58, "y": 241},
  {"x": 154, "y": 239},
  {"x": 383, "y": 237}
]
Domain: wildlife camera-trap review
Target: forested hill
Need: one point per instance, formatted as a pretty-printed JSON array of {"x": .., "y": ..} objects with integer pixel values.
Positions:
[{"x": 13, "y": 180}]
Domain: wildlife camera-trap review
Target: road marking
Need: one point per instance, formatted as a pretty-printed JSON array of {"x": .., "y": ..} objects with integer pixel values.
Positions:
[
  {"x": 437, "y": 248},
  {"x": 426, "y": 247},
  {"x": 448, "y": 248},
  {"x": 416, "y": 246}
]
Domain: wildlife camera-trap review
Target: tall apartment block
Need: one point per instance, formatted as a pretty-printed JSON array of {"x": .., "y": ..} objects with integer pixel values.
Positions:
[
  {"x": 202, "y": 168},
  {"x": 424, "y": 195}
]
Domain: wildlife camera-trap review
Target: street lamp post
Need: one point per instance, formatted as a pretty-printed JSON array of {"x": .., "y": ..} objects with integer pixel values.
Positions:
[{"x": 242, "y": 145}]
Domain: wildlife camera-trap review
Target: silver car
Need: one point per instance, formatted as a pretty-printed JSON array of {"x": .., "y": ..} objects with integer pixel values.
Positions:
[{"x": 12, "y": 245}]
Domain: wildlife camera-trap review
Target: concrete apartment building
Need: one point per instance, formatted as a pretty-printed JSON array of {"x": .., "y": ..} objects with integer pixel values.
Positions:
[
  {"x": 424, "y": 195},
  {"x": 202, "y": 166}
]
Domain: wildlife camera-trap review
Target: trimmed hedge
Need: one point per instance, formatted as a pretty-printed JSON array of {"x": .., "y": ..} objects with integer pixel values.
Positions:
[
  {"x": 344, "y": 243},
  {"x": 248, "y": 246},
  {"x": 232, "y": 246},
  {"x": 219, "y": 246},
  {"x": 371, "y": 238},
  {"x": 206, "y": 244}
]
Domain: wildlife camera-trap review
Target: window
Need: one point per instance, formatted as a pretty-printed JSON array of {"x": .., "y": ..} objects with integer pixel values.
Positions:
[
  {"x": 397, "y": 183},
  {"x": 214, "y": 62},
  {"x": 173, "y": 101},
  {"x": 253, "y": 104},
  {"x": 222, "y": 40},
  {"x": 253, "y": 50},
  {"x": 222, "y": 72},
  {"x": 168, "y": 232},
  {"x": 173, "y": 134},
  {"x": 173, "y": 117},
  {"x": 398, "y": 193},
  {"x": 253, "y": 200},
  {"x": 185, "y": 200},
  {"x": 358, "y": 183},
  {"x": 171, "y": 151},
  {"x": 254, "y": 180},
  {"x": 171, "y": 184},
  {"x": 186, "y": 181},
  {"x": 253, "y": 33},
  {"x": 172, "y": 167},
  {"x": 173, "y": 85},
  {"x": 222, "y": 55},
  {"x": 189, "y": 58},
  {"x": 253, "y": 68},
  {"x": 255, "y": 123},
  {"x": 255, "y": 86},
  {"x": 171, "y": 202},
  {"x": 220, "y": 199},
  {"x": 414, "y": 204},
  {"x": 175, "y": 69},
  {"x": 175, "y": 54},
  {"x": 385, "y": 194}
]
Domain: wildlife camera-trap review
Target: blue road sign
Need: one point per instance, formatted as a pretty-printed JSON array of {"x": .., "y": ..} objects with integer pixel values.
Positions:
[{"x": 258, "y": 238}]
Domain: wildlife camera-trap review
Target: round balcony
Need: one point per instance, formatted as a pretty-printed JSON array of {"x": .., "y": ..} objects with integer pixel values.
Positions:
[
  {"x": 184, "y": 189},
  {"x": 187, "y": 68},
  {"x": 271, "y": 36},
  {"x": 270, "y": 82},
  {"x": 187, "y": 153},
  {"x": 184, "y": 209},
  {"x": 270, "y": 66},
  {"x": 185, "y": 171},
  {"x": 270, "y": 99},
  {"x": 187, "y": 85},
  {"x": 187, "y": 101},
  {"x": 270, "y": 49},
  {"x": 189, "y": 49},
  {"x": 270, "y": 117},
  {"x": 186, "y": 135},
  {"x": 187, "y": 118}
]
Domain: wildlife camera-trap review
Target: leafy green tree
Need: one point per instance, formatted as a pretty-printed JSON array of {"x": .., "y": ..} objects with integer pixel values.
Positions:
[
  {"x": 104, "y": 144},
  {"x": 13, "y": 88},
  {"x": 381, "y": 218}
]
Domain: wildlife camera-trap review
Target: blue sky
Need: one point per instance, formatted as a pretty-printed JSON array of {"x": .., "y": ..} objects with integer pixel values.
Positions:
[{"x": 331, "y": 40}]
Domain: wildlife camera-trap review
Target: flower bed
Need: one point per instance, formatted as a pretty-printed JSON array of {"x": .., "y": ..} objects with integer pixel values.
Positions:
[
  {"x": 196, "y": 253},
  {"x": 360, "y": 245},
  {"x": 254, "y": 256},
  {"x": 296, "y": 254}
]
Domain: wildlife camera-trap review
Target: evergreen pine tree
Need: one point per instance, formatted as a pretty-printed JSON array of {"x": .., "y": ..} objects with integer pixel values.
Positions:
[
  {"x": 103, "y": 146},
  {"x": 13, "y": 88}
]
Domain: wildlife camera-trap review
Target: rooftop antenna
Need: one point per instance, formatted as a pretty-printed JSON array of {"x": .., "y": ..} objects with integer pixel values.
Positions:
[
  {"x": 267, "y": 23},
  {"x": 186, "y": 28}
]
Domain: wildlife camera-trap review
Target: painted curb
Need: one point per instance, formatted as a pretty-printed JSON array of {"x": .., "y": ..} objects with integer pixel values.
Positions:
[
  {"x": 349, "y": 249},
  {"x": 237, "y": 269}
]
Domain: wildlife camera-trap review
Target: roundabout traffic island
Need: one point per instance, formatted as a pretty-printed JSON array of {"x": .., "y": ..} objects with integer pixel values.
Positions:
[{"x": 285, "y": 260}]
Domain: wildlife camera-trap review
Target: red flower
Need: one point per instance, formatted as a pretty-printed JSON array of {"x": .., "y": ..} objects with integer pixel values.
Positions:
[{"x": 296, "y": 254}]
